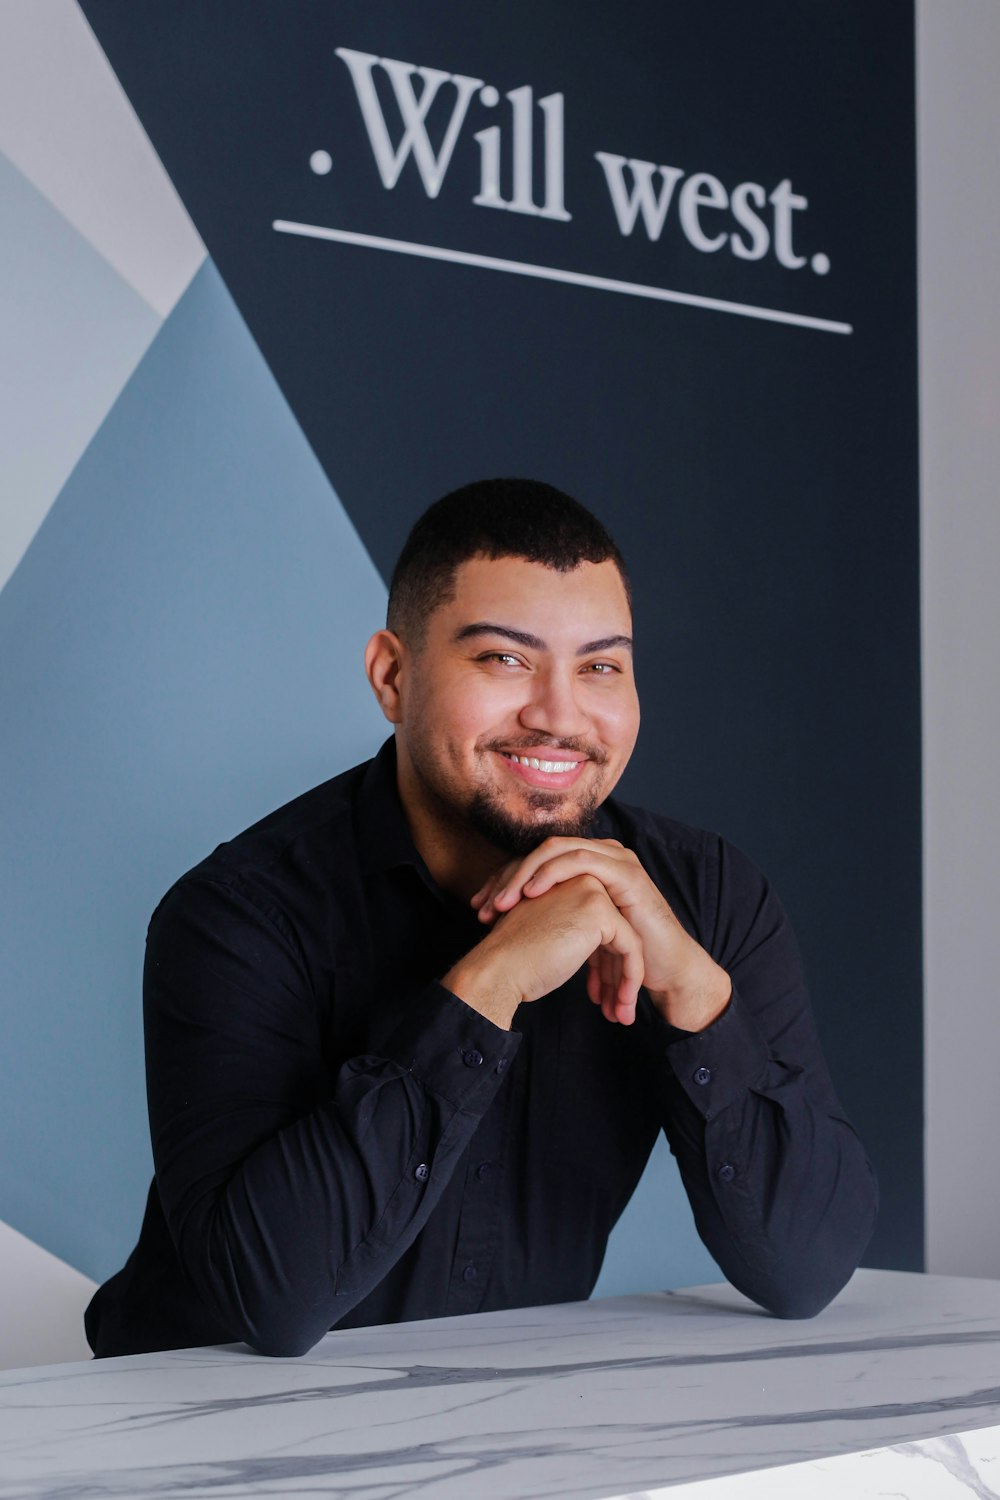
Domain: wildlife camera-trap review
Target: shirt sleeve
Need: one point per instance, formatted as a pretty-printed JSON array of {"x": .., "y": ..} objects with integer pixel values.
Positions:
[
  {"x": 289, "y": 1193},
  {"x": 783, "y": 1194}
]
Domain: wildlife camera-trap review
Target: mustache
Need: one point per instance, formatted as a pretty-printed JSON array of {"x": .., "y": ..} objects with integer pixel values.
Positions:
[{"x": 526, "y": 743}]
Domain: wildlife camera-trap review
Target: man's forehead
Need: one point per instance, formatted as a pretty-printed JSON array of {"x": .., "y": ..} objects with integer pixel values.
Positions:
[{"x": 595, "y": 588}]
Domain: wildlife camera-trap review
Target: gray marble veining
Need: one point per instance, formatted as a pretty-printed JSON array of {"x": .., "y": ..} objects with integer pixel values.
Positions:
[{"x": 691, "y": 1392}]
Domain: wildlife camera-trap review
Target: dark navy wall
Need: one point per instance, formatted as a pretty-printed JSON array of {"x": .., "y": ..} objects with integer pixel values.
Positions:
[{"x": 760, "y": 472}]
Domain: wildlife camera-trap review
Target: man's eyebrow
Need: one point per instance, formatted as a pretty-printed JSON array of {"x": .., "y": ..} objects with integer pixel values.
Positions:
[
  {"x": 486, "y": 627},
  {"x": 608, "y": 643},
  {"x": 534, "y": 642}
]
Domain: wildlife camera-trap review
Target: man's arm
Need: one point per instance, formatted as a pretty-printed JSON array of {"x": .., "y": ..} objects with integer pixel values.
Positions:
[
  {"x": 289, "y": 1193},
  {"x": 782, "y": 1192}
]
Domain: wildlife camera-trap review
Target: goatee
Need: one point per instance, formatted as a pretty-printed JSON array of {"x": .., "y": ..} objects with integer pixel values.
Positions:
[{"x": 518, "y": 836}]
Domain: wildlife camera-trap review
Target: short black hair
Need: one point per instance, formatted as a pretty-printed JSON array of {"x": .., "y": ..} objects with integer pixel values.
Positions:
[{"x": 491, "y": 518}]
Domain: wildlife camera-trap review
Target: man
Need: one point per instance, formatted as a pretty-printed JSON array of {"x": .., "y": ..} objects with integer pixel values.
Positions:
[{"x": 411, "y": 1038}]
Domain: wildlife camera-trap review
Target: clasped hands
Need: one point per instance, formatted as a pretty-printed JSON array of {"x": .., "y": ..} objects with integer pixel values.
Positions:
[{"x": 573, "y": 901}]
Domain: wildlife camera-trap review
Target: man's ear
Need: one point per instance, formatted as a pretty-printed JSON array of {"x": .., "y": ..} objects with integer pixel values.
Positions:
[{"x": 383, "y": 663}]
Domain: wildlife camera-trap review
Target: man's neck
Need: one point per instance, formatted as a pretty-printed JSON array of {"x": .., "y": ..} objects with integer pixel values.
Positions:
[{"x": 459, "y": 859}]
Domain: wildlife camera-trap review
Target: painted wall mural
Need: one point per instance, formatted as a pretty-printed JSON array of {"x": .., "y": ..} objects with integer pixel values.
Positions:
[{"x": 272, "y": 278}]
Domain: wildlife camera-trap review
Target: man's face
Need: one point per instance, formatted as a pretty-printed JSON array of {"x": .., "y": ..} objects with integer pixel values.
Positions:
[{"x": 519, "y": 712}]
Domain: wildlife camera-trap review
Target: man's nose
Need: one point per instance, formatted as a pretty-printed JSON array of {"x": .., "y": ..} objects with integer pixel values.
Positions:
[{"x": 554, "y": 706}]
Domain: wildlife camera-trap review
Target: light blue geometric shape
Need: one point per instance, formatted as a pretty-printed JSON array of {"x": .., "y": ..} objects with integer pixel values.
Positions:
[
  {"x": 71, "y": 333},
  {"x": 654, "y": 1245},
  {"x": 180, "y": 652}
]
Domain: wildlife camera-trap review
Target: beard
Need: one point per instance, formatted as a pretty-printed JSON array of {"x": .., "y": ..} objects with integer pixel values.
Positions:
[{"x": 518, "y": 836}]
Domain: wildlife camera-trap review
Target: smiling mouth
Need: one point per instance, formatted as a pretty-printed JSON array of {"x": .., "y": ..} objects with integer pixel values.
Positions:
[
  {"x": 554, "y": 772},
  {"x": 536, "y": 763}
]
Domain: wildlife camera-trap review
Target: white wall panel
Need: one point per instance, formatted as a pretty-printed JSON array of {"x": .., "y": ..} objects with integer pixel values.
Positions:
[
  {"x": 958, "y": 110},
  {"x": 66, "y": 123},
  {"x": 41, "y": 1305}
]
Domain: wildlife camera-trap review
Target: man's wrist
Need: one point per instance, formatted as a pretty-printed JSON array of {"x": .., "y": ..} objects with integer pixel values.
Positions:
[
  {"x": 696, "y": 998},
  {"x": 481, "y": 985}
]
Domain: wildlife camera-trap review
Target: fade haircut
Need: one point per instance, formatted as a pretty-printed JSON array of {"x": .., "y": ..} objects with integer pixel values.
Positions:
[{"x": 491, "y": 518}]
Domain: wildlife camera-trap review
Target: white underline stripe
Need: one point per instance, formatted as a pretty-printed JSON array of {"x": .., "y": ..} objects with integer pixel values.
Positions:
[{"x": 554, "y": 273}]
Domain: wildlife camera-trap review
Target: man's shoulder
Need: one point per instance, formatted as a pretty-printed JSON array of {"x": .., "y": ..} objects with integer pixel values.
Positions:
[
  {"x": 290, "y": 895},
  {"x": 307, "y": 842},
  {"x": 634, "y": 826},
  {"x": 313, "y": 815},
  {"x": 695, "y": 867}
]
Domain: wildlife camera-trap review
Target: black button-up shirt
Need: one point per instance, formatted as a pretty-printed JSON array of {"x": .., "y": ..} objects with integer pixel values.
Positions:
[{"x": 339, "y": 1140}]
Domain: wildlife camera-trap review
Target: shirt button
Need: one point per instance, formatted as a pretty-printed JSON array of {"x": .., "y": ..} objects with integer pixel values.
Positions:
[
  {"x": 727, "y": 1172},
  {"x": 702, "y": 1075},
  {"x": 469, "y": 1274},
  {"x": 423, "y": 1172},
  {"x": 501, "y": 1066},
  {"x": 483, "y": 1170},
  {"x": 472, "y": 1058}
]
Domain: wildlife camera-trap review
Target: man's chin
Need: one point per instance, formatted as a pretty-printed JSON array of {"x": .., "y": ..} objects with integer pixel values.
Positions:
[{"x": 518, "y": 836}]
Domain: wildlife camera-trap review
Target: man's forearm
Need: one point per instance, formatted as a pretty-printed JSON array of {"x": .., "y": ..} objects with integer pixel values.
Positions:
[
  {"x": 272, "y": 1181},
  {"x": 782, "y": 1191}
]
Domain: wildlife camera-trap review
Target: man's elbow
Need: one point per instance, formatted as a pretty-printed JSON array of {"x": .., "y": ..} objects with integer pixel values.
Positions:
[
  {"x": 283, "y": 1343},
  {"x": 282, "y": 1333},
  {"x": 279, "y": 1327},
  {"x": 800, "y": 1292},
  {"x": 814, "y": 1269},
  {"x": 798, "y": 1302}
]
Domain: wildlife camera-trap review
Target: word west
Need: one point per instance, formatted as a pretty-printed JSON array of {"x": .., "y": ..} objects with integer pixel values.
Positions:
[{"x": 748, "y": 220}]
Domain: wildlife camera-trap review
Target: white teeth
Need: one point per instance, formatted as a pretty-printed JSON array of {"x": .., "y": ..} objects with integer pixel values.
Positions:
[{"x": 543, "y": 765}]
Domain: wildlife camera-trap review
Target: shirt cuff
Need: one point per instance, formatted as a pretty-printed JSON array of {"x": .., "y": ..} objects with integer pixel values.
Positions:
[
  {"x": 452, "y": 1050},
  {"x": 715, "y": 1066}
]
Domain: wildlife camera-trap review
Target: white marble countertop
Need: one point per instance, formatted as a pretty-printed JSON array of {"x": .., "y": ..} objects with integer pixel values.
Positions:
[{"x": 696, "y": 1392}]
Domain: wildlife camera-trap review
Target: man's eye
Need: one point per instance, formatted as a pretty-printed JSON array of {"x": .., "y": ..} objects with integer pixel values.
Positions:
[
  {"x": 602, "y": 668},
  {"x": 503, "y": 657}
]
